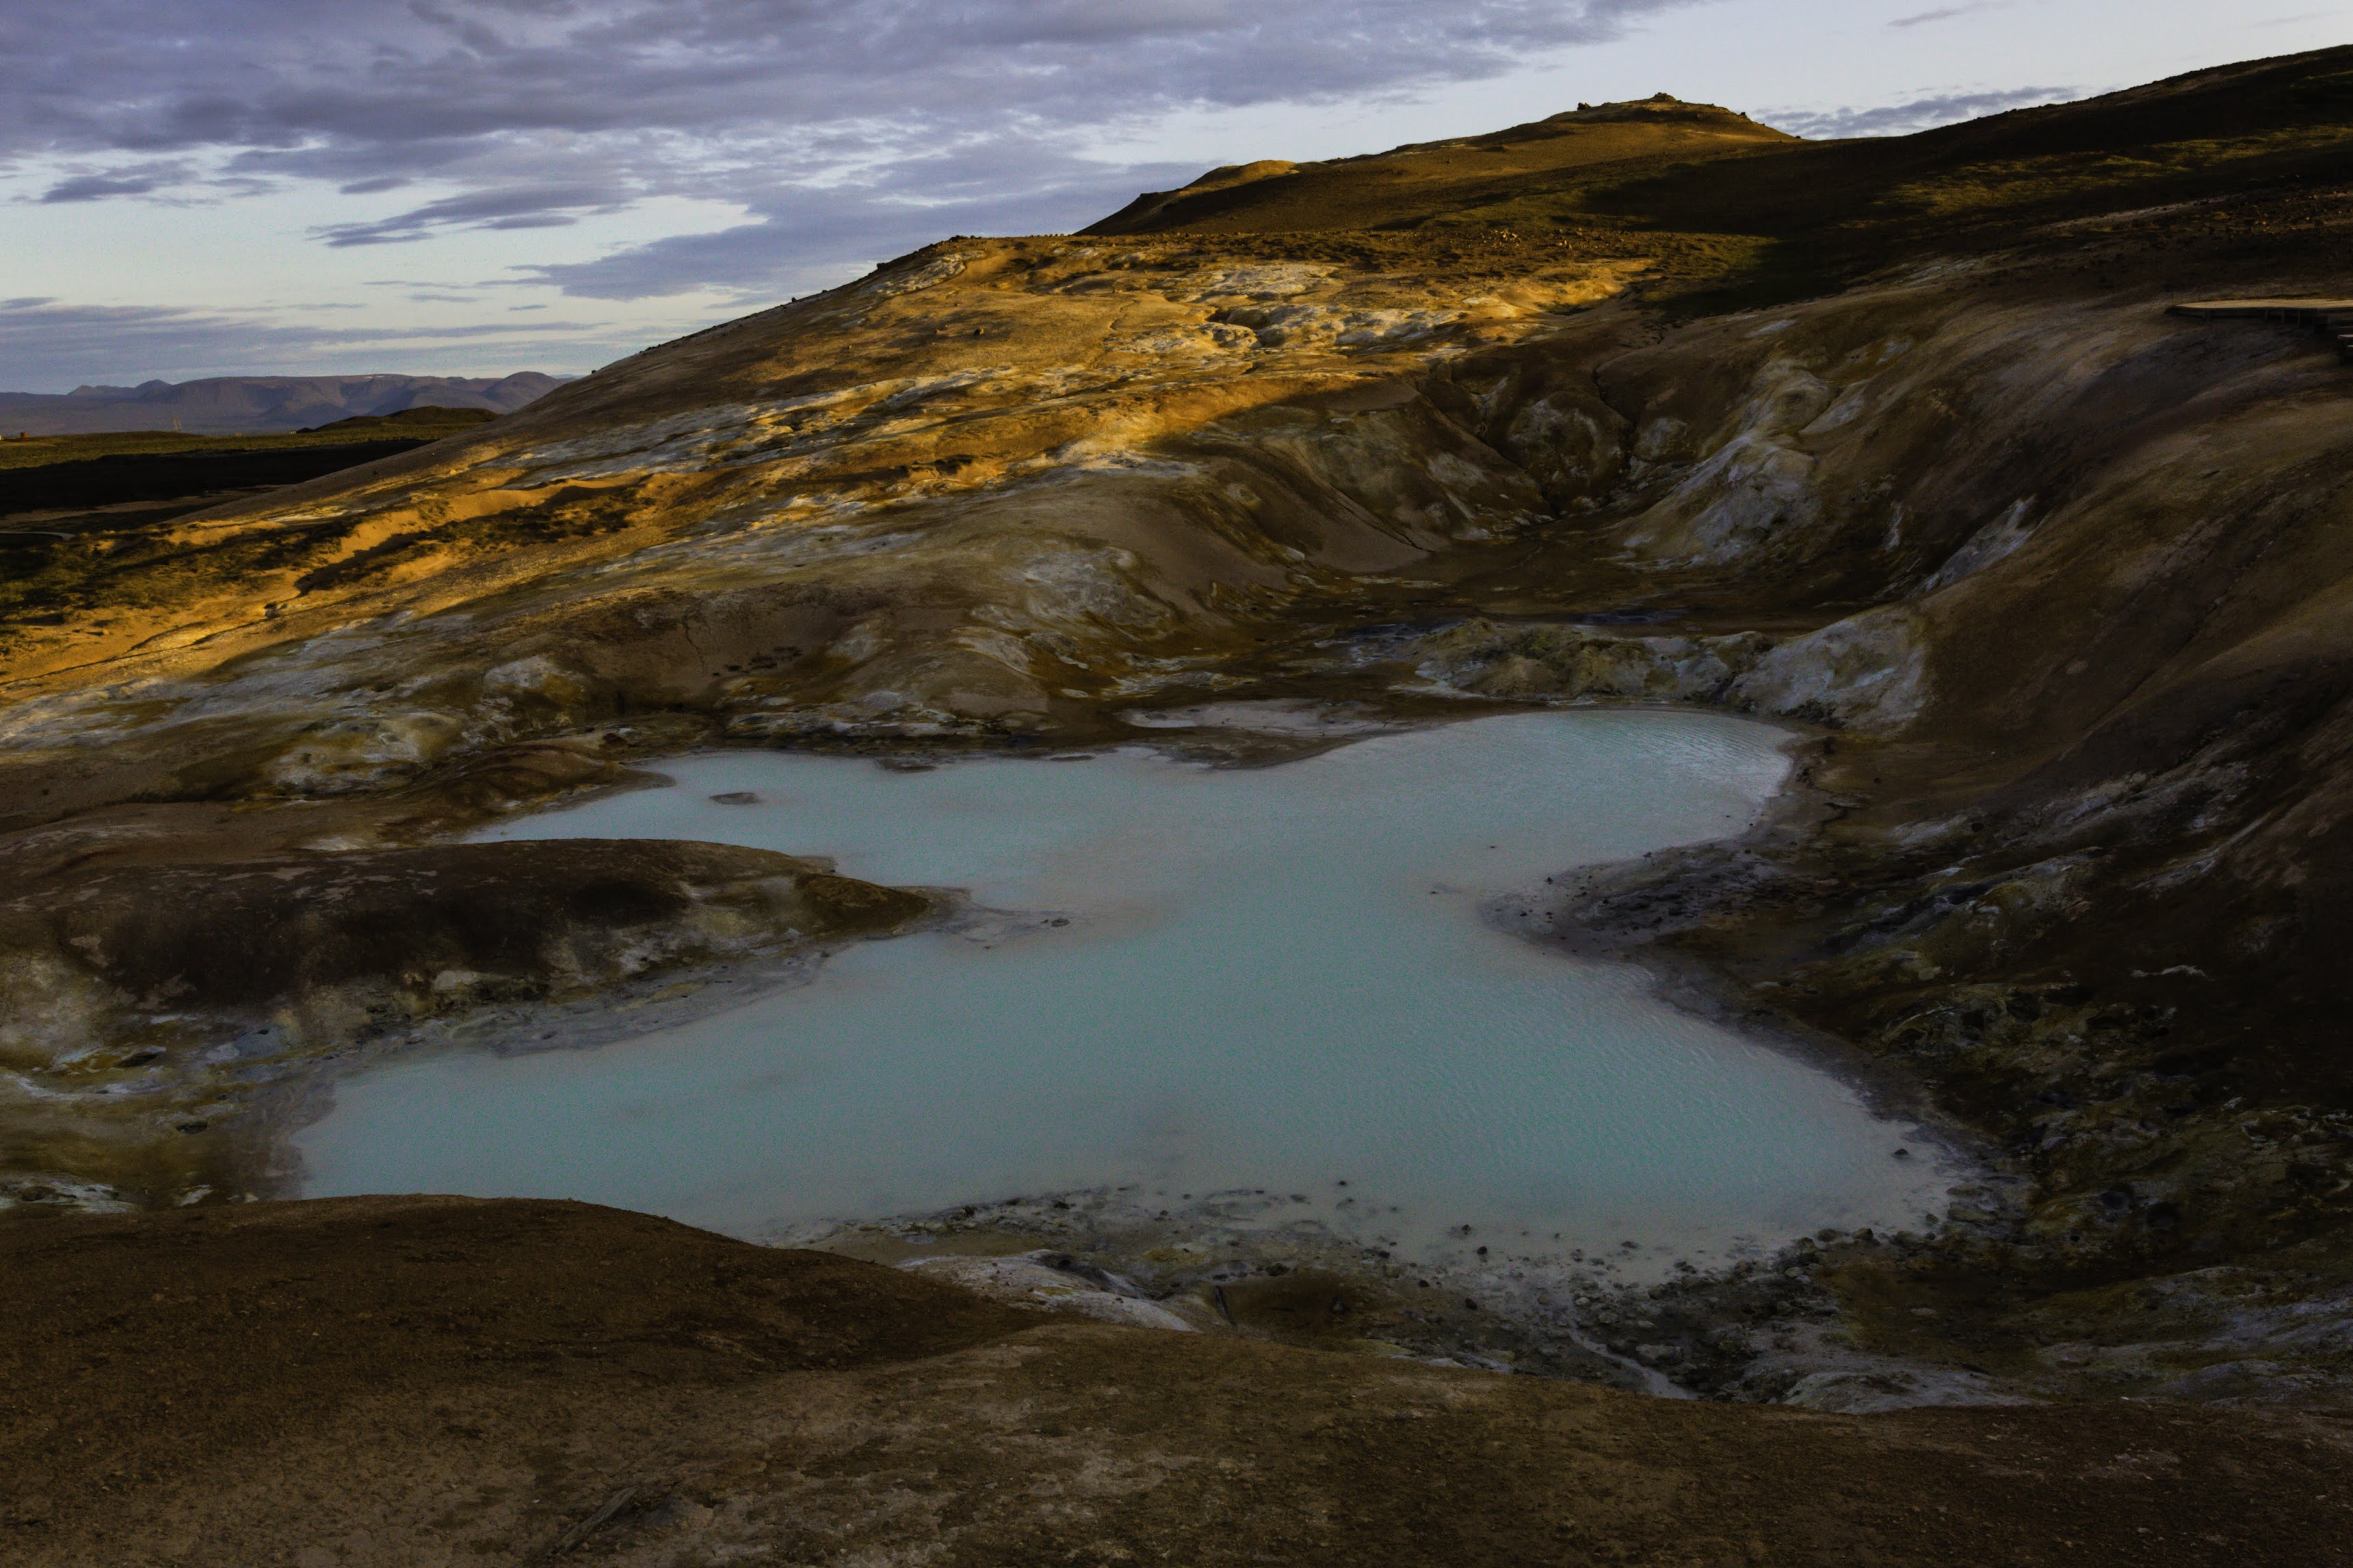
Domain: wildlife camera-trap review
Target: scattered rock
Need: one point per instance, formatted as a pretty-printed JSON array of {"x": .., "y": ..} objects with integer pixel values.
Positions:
[{"x": 1029, "y": 1280}]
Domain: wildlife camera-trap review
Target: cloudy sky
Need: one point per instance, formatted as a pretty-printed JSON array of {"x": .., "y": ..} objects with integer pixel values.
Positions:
[{"x": 205, "y": 187}]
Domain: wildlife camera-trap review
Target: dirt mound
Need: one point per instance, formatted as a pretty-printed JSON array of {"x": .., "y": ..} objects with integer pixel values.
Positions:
[
  {"x": 403, "y": 1380},
  {"x": 1441, "y": 181}
]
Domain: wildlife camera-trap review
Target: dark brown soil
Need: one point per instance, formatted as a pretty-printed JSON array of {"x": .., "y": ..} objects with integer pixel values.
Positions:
[
  {"x": 444, "y": 1380},
  {"x": 120, "y": 477}
]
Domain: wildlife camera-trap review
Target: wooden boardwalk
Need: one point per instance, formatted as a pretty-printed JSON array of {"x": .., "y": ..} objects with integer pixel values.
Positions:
[{"x": 2332, "y": 318}]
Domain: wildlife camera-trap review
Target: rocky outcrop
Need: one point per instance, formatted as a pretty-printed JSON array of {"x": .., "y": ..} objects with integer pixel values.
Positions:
[
  {"x": 1045, "y": 1282},
  {"x": 322, "y": 941},
  {"x": 144, "y": 1007},
  {"x": 1863, "y": 673},
  {"x": 1575, "y": 662}
]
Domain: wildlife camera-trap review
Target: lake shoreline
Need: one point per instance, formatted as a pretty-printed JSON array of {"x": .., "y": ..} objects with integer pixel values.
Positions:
[{"x": 1528, "y": 1318}]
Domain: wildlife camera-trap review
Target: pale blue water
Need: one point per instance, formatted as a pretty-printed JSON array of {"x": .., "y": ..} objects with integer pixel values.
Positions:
[{"x": 1274, "y": 979}]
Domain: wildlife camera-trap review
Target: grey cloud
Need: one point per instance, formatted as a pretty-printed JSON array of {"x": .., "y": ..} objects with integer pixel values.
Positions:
[
  {"x": 375, "y": 77},
  {"x": 750, "y": 258},
  {"x": 525, "y": 207},
  {"x": 1944, "y": 14},
  {"x": 376, "y": 90},
  {"x": 1917, "y": 114},
  {"x": 84, "y": 182},
  {"x": 98, "y": 187},
  {"x": 813, "y": 238}
]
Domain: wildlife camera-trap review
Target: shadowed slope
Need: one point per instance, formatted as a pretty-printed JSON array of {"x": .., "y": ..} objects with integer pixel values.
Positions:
[
  {"x": 1437, "y": 182},
  {"x": 1784, "y": 219},
  {"x": 398, "y": 1380}
]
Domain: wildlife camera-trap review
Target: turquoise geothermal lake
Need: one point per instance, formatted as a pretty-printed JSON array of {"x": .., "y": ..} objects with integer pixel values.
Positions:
[{"x": 1271, "y": 980}]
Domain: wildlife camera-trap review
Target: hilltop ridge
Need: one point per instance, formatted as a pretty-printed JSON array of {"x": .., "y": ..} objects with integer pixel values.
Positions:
[{"x": 1425, "y": 182}]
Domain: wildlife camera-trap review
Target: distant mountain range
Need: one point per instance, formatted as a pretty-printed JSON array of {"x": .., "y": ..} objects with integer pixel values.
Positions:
[{"x": 258, "y": 404}]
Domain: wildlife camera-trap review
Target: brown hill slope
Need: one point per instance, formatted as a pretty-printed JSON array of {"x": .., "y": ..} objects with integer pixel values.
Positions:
[
  {"x": 2054, "y": 581},
  {"x": 1792, "y": 218},
  {"x": 1437, "y": 180},
  {"x": 396, "y": 1380}
]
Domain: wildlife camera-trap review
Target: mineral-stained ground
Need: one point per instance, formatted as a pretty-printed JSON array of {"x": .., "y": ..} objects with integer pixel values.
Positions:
[{"x": 1891, "y": 442}]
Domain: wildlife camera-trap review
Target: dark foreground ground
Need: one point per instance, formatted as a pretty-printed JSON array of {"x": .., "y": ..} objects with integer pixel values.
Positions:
[{"x": 431, "y": 1381}]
